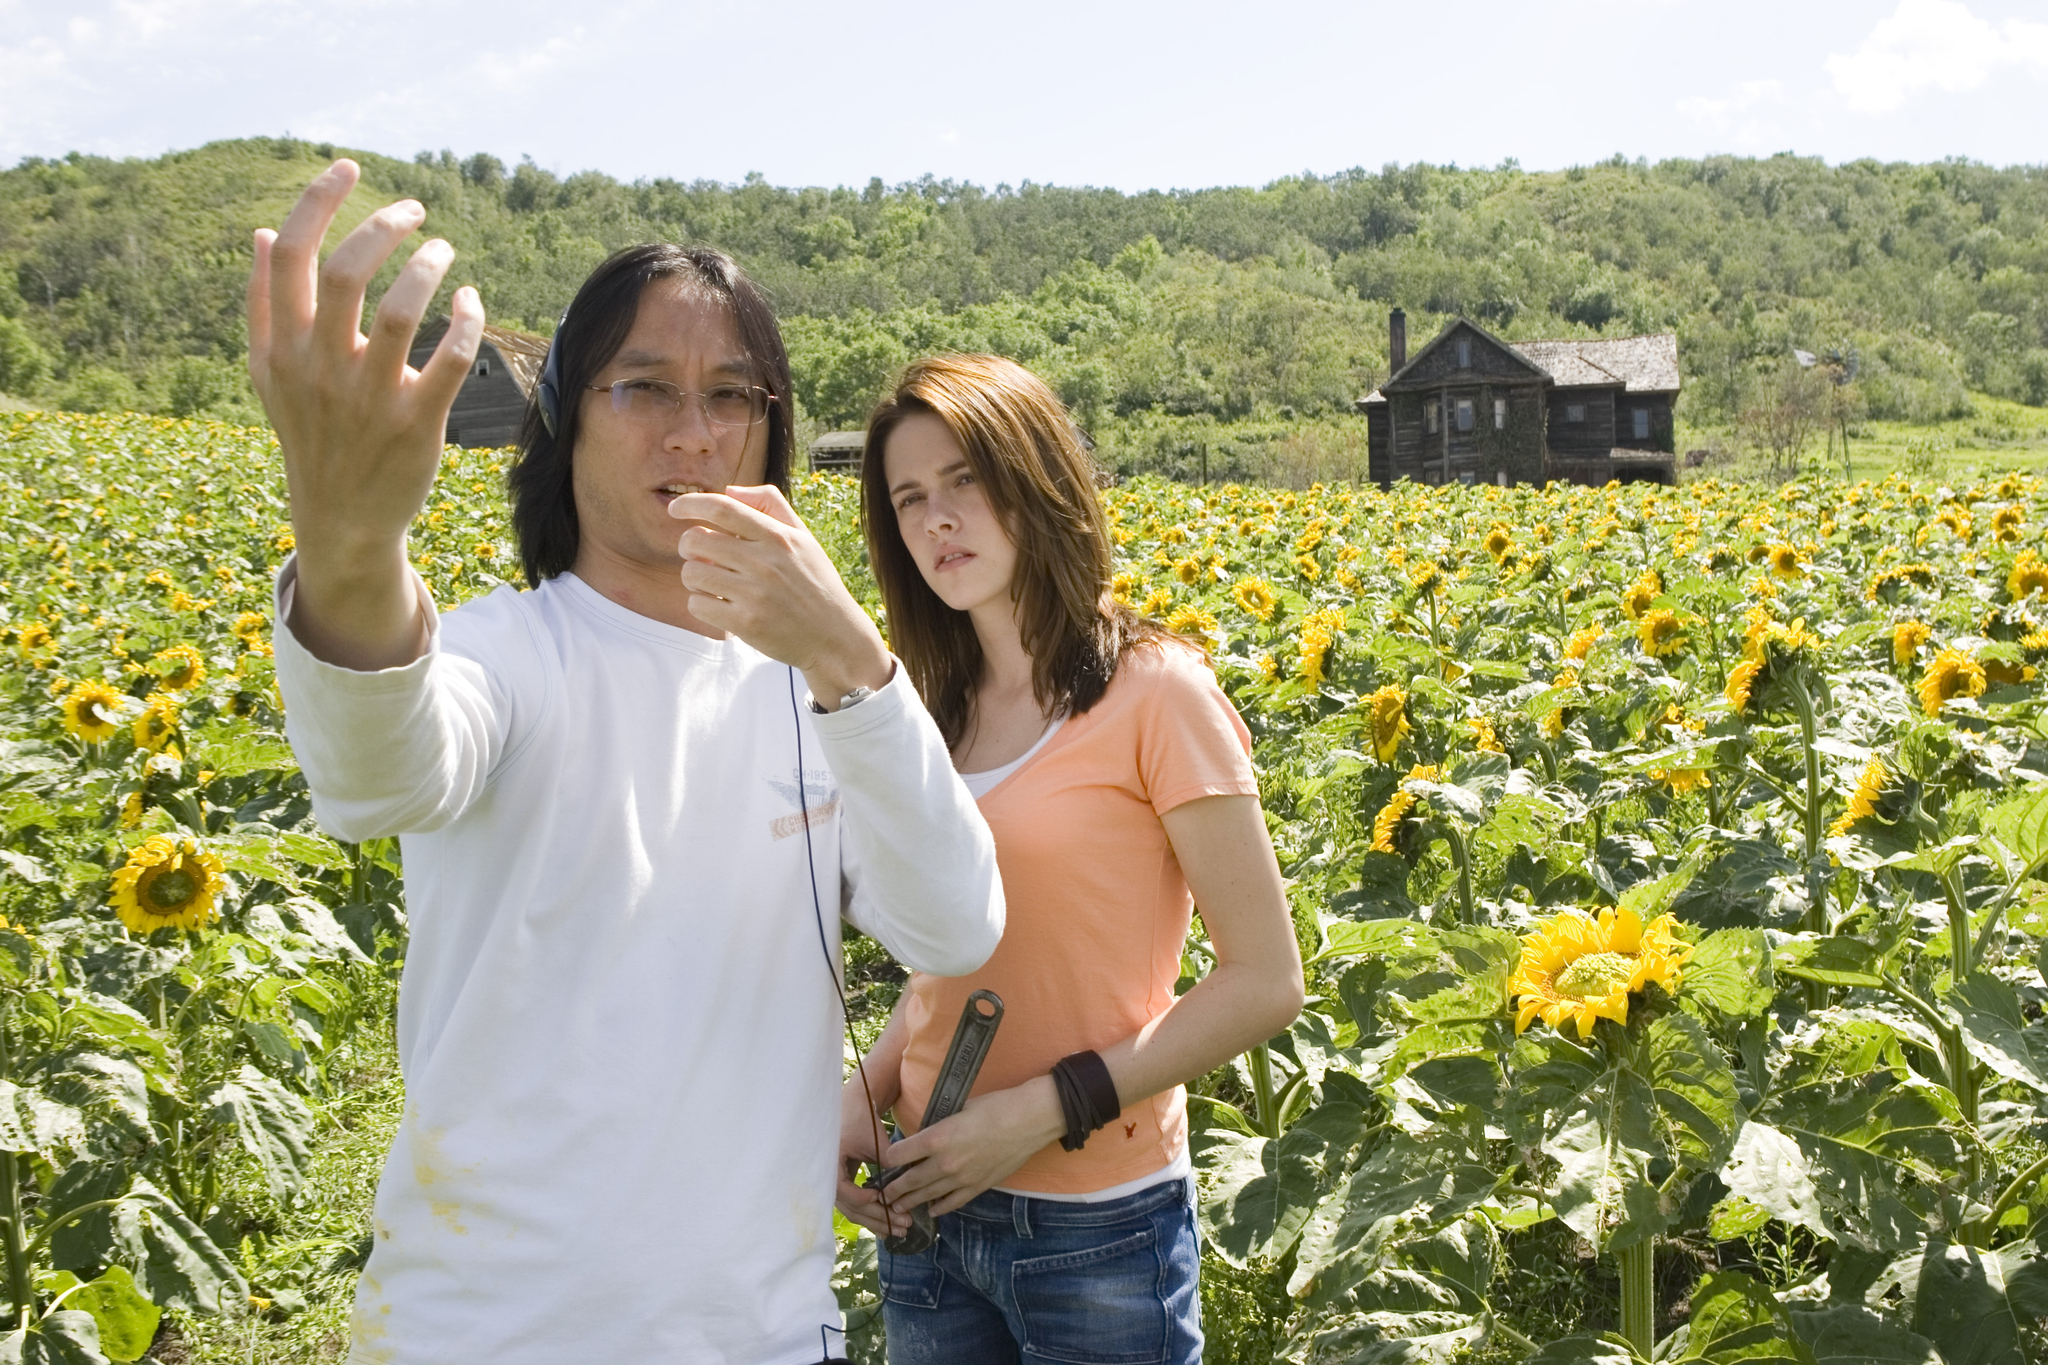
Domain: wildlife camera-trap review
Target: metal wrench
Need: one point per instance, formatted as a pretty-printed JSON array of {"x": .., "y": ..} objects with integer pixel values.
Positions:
[{"x": 977, "y": 1029}]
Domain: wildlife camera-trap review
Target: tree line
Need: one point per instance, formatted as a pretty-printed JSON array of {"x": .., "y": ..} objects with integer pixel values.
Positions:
[{"x": 1187, "y": 319}]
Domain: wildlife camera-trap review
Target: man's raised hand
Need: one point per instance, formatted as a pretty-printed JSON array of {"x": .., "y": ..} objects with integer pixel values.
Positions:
[
  {"x": 361, "y": 430},
  {"x": 754, "y": 569}
]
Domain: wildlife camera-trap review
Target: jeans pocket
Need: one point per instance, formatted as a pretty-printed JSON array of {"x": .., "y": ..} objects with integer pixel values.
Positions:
[
  {"x": 912, "y": 1281},
  {"x": 1097, "y": 1305}
]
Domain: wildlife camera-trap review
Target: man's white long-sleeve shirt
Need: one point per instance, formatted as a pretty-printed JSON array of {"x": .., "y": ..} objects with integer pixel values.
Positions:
[{"x": 620, "y": 1040}]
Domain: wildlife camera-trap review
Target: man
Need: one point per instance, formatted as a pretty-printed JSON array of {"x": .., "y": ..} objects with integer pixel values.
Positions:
[{"x": 628, "y": 830}]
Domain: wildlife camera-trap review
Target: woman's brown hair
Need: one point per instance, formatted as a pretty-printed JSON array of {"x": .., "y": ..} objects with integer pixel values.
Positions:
[{"x": 1040, "y": 482}]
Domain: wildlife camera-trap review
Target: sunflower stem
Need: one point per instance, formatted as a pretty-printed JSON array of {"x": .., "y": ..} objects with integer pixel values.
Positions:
[
  {"x": 1639, "y": 1295},
  {"x": 1461, "y": 855},
  {"x": 20, "y": 1287},
  {"x": 1260, "y": 1060},
  {"x": 1816, "y": 904}
]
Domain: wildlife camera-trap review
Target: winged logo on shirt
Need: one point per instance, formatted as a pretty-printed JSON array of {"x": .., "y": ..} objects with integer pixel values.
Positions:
[{"x": 810, "y": 791}]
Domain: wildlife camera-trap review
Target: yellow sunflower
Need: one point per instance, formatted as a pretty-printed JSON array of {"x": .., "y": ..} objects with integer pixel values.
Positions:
[
  {"x": 2029, "y": 575},
  {"x": 1741, "y": 681},
  {"x": 1188, "y": 570},
  {"x": 249, "y": 626},
  {"x": 1318, "y": 635},
  {"x": 1121, "y": 587},
  {"x": 1484, "y": 739},
  {"x": 92, "y": 711},
  {"x": 1907, "y": 637},
  {"x": 1387, "y": 823},
  {"x": 1951, "y": 674},
  {"x": 1641, "y": 594},
  {"x": 2005, "y": 523},
  {"x": 1661, "y": 634},
  {"x": 1681, "y": 781},
  {"x": 1498, "y": 542},
  {"x": 131, "y": 811},
  {"x": 158, "y": 721},
  {"x": 1583, "y": 970},
  {"x": 1786, "y": 561},
  {"x": 180, "y": 668},
  {"x": 1256, "y": 596},
  {"x": 1426, "y": 576},
  {"x": 168, "y": 883},
  {"x": 1156, "y": 602},
  {"x": 1388, "y": 708},
  {"x": 1863, "y": 801},
  {"x": 1582, "y": 642},
  {"x": 2005, "y": 673},
  {"x": 1191, "y": 621}
]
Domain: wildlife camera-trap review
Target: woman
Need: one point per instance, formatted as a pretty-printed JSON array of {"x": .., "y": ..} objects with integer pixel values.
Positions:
[{"x": 1118, "y": 782}]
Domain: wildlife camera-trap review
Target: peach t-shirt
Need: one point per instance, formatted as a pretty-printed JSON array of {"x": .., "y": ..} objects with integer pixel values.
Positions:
[{"x": 1098, "y": 909}]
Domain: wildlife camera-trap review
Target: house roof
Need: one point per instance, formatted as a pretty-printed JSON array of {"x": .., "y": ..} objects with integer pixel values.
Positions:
[
  {"x": 1644, "y": 364},
  {"x": 524, "y": 353},
  {"x": 840, "y": 440},
  {"x": 1443, "y": 338}
]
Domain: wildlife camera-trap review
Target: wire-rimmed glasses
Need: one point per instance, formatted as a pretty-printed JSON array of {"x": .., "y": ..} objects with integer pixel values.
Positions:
[{"x": 725, "y": 405}]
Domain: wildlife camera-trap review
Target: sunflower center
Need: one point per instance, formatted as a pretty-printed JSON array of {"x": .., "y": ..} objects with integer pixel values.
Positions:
[
  {"x": 1596, "y": 975},
  {"x": 171, "y": 889}
]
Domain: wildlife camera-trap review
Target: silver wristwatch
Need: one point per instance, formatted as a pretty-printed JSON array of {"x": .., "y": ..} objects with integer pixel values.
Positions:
[{"x": 853, "y": 698}]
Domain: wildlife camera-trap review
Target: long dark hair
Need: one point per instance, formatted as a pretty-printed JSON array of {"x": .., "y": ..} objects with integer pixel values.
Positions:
[
  {"x": 543, "y": 498},
  {"x": 1026, "y": 455}
]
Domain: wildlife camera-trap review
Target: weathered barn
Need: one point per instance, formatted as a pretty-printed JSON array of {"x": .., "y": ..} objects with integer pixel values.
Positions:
[
  {"x": 1472, "y": 408},
  {"x": 492, "y": 404},
  {"x": 838, "y": 451}
]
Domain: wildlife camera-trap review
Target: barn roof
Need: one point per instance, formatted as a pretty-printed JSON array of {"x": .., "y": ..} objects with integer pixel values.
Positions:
[
  {"x": 840, "y": 440},
  {"x": 525, "y": 354},
  {"x": 1644, "y": 364}
]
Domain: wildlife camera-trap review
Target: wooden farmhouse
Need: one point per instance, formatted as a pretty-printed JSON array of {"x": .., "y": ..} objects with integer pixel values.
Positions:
[
  {"x": 1471, "y": 408},
  {"x": 838, "y": 451},
  {"x": 492, "y": 403}
]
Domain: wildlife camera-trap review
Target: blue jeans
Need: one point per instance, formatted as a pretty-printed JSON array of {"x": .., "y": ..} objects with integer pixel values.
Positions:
[{"x": 1014, "y": 1279}]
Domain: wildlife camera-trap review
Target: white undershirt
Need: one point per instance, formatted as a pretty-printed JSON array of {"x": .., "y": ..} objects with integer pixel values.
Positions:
[{"x": 980, "y": 785}]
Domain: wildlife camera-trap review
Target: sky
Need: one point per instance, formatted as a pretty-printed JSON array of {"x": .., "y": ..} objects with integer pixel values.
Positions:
[{"x": 1067, "y": 92}]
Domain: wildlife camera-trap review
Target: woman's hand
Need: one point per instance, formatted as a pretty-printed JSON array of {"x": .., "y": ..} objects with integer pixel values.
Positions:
[
  {"x": 959, "y": 1157},
  {"x": 858, "y": 1129}
]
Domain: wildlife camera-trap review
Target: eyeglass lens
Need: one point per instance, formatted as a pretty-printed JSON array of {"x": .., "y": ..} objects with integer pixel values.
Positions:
[{"x": 728, "y": 405}]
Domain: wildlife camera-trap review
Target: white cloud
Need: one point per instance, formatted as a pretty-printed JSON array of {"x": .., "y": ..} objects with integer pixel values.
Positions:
[{"x": 1933, "y": 44}]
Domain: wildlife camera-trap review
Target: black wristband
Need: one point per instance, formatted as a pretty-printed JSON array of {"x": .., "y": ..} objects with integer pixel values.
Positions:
[{"x": 1088, "y": 1098}]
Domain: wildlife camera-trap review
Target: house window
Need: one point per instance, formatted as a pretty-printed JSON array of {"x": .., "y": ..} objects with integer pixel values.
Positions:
[
  {"x": 1464, "y": 414},
  {"x": 1642, "y": 424},
  {"x": 1575, "y": 412},
  {"x": 483, "y": 367},
  {"x": 1429, "y": 418},
  {"x": 1500, "y": 414},
  {"x": 1464, "y": 353}
]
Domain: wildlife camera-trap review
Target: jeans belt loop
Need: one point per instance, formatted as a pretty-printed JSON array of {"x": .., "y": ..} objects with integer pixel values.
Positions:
[{"x": 1020, "y": 1215}]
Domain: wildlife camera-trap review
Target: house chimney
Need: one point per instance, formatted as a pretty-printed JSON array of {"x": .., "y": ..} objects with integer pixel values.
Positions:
[{"x": 1397, "y": 342}]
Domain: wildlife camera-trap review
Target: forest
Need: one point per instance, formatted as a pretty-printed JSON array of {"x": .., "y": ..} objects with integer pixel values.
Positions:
[{"x": 1220, "y": 320}]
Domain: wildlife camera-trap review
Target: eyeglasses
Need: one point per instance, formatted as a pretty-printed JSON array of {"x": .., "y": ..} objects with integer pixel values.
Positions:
[{"x": 728, "y": 405}]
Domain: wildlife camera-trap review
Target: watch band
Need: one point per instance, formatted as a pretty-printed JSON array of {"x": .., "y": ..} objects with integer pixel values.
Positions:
[{"x": 853, "y": 698}]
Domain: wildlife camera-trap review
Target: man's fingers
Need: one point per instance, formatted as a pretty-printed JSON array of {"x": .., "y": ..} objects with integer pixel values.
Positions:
[
  {"x": 398, "y": 312},
  {"x": 725, "y": 512},
  {"x": 441, "y": 378},
  {"x": 767, "y": 499},
  {"x": 258, "y": 305},
  {"x": 347, "y": 271},
  {"x": 295, "y": 252}
]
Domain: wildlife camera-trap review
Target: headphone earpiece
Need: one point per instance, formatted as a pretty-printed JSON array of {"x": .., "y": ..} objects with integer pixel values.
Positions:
[{"x": 549, "y": 394}]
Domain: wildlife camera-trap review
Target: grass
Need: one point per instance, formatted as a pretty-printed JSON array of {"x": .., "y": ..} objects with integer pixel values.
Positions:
[
  {"x": 1998, "y": 436},
  {"x": 307, "y": 1270}
]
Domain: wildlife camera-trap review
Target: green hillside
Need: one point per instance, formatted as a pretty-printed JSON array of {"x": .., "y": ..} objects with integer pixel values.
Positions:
[{"x": 1236, "y": 323}]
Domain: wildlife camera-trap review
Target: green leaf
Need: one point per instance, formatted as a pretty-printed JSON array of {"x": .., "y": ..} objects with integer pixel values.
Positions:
[
  {"x": 1408, "y": 1184},
  {"x": 2020, "y": 822},
  {"x": 1265, "y": 1191},
  {"x": 1695, "y": 1090},
  {"x": 1769, "y": 1170},
  {"x": 175, "y": 1263},
  {"x": 110, "y": 1091},
  {"x": 1997, "y": 1033},
  {"x": 1850, "y": 1334},
  {"x": 1975, "y": 1306},
  {"x": 65, "y": 1337},
  {"x": 1652, "y": 898},
  {"x": 1603, "y": 1149},
  {"x": 1352, "y": 938},
  {"x": 127, "y": 1321},
  {"x": 31, "y": 1121},
  {"x": 1607, "y": 1350},
  {"x": 1832, "y": 961},
  {"x": 275, "y": 1127},
  {"x": 1730, "y": 970},
  {"x": 1736, "y": 1321}
]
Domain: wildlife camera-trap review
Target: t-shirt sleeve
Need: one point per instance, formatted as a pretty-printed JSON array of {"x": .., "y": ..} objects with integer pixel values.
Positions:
[{"x": 1191, "y": 741}]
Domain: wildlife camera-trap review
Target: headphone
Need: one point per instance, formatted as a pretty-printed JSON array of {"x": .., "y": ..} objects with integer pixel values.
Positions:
[{"x": 549, "y": 394}]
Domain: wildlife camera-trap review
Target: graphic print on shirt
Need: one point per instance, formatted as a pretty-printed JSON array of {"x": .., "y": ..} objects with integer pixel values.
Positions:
[{"x": 819, "y": 794}]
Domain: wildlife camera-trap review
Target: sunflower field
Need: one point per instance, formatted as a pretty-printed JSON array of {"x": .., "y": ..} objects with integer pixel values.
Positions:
[{"x": 1668, "y": 863}]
